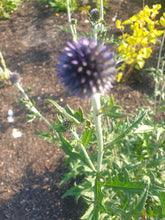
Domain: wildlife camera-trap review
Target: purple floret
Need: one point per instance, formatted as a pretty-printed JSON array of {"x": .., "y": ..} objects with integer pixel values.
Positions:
[{"x": 87, "y": 67}]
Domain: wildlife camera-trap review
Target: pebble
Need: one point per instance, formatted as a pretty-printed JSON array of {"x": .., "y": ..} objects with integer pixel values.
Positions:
[
  {"x": 10, "y": 116},
  {"x": 16, "y": 133},
  {"x": 114, "y": 18}
]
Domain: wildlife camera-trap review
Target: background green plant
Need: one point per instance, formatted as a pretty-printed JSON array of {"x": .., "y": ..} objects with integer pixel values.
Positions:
[
  {"x": 7, "y": 7},
  {"x": 61, "y": 5}
]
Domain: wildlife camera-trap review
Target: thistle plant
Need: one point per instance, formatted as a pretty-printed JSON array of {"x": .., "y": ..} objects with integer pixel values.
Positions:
[
  {"x": 124, "y": 173},
  {"x": 15, "y": 80}
]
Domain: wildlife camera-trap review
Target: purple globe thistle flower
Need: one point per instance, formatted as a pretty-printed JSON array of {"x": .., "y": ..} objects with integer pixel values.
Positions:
[
  {"x": 15, "y": 78},
  {"x": 87, "y": 68}
]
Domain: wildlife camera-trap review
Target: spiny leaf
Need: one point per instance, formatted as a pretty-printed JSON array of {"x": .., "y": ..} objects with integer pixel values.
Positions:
[
  {"x": 162, "y": 199},
  {"x": 125, "y": 183},
  {"x": 79, "y": 115},
  {"x": 128, "y": 130},
  {"x": 76, "y": 114},
  {"x": 98, "y": 207},
  {"x": 156, "y": 185},
  {"x": 144, "y": 129},
  {"x": 139, "y": 204},
  {"x": 46, "y": 136},
  {"x": 86, "y": 137},
  {"x": 84, "y": 190},
  {"x": 88, "y": 214},
  {"x": 68, "y": 149},
  {"x": 63, "y": 111}
]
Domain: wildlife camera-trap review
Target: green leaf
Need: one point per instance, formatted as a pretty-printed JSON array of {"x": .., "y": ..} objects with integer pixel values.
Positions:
[
  {"x": 162, "y": 199},
  {"x": 109, "y": 109},
  {"x": 139, "y": 204},
  {"x": 69, "y": 110},
  {"x": 79, "y": 115},
  {"x": 84, "y": 189},
  {"x": 63, "y": 111},
  {"x": 75, "y": 169},
  {"x": 144, "y": 129},
  {"x": 126, "y": 185},
  {"x": 31, "y": 117},
  {"x": 68, "y": 149},
  {"x": 86, "y": 137},
  {"x": 46, "y": 136},
  {"x": 156, "y": 185},
  {"x": 63, "y": 28},
  {"x": 74, "y": 191},
  {"x": 111, "y": 101},
  {"x": 98, "y": 207},
  {"x": 76, "y": 114},
  {"x": 160, "y": 109},
  {"x": 128, "y": 130},
  {"x": 134, "y": 194},
  {"x": 88, "y": 214}
]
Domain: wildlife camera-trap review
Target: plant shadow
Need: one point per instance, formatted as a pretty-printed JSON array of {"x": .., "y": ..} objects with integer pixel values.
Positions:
[{"x": 39, "y": 197}]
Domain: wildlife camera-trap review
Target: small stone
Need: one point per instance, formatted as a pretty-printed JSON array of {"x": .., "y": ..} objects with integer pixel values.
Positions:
[
  {"x": 16, "y": 133},
  {"x": 10, "y": 116}
]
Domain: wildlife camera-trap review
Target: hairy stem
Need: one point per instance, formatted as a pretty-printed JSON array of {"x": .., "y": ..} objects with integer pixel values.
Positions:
[
  {"x": 31, "y": 106},
  {"x": 72, "y": 26},
  {"x": 157, "y": 69},
  {"x": 97, "y": 120},
  {"x": 101, "y": 10}
]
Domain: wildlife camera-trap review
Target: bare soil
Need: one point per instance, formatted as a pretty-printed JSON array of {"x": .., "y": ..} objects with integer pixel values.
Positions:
[{"x": 30, "y": 168}]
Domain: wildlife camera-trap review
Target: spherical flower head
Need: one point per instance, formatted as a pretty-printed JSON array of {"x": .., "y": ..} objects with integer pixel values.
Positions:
[
  {"x": 15, "y": 78},
  {"x": 95, "y": 15},
  {"x": 86, "y": 68}
]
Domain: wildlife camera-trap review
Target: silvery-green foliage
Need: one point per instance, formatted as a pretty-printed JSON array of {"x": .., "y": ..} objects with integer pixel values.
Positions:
[{"x": 132, "y": 168}]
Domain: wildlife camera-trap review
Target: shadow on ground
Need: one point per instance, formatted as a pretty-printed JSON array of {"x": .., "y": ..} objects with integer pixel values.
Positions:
[{"x": 38, "y": 197}]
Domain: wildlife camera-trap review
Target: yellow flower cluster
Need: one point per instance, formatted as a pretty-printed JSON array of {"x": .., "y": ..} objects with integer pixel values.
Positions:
[{"x": 136, "y": 47}]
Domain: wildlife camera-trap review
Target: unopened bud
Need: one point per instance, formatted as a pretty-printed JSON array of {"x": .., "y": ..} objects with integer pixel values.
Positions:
[
  {"x": 67, "y": 124},
  {"x": 95, "y": 15},
  {"x": 15, "y": 78},
  {"x": 73, "y": 21}
]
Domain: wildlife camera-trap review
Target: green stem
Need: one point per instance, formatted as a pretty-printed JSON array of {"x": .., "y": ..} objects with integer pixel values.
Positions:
[
  {"x": 72, "y": 27},
  {"x": 163, "y": 82},
  {"x": 97, "y": 120},
  {"x": 101, "y": 10},
  {"x": 95, "y": 31},
  {"x": 31, "y": 106},
  {"x": 84, "y": 151},
  {"x": 157, "y": 69}
]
